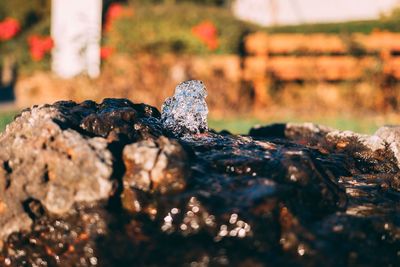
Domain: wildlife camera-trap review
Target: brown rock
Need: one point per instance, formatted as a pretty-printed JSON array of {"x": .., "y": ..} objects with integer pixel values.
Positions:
[
  {"x": 158, "y": 165},
  {"x": 291, "y": 195},
  {"x": 58, "y": 167},
  {"x": 56, "y": 156},
  {"x": 154, "y": 166}
]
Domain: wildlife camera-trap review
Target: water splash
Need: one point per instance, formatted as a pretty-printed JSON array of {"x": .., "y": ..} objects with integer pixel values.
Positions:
[{"x": 186, "y": 111}]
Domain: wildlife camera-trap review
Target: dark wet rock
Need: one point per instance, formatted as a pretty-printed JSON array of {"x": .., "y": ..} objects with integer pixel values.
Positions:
[
  {"x": 370, "y": 152},
  {"x": 303, "y": 132},
  {"x": 102, "y": 185}
]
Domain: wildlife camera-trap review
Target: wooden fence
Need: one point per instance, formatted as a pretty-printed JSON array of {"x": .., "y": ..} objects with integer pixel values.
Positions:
[{"x": 318, "y": 57}]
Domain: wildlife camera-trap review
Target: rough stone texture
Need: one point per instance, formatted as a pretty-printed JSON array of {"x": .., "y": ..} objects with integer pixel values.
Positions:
[
  {"x": 153, "y": 166},
  {"x": 56, "y": 156},
  {"x": 284, "y": 195},
  {"x": 378, "y": 153},
  {"x": 42, "y": 162},
  {"x": 366, "y": 149}
]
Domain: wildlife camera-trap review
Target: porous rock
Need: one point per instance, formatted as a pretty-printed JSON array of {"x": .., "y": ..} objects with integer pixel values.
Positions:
[
  {"x": 159, "y": 165},
  {"x": 58, "y": 155},
  {"x": 376, "y": 151},
  {"x": 155, "y": 165},
  {"x": 43, "y": 162},
  {"x": 285, "y": 195}
]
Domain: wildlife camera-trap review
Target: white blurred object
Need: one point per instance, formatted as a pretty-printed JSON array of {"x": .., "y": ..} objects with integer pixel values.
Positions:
[
  {"x": 292, "y": 12},
  {"x": 76, "y": 31}
]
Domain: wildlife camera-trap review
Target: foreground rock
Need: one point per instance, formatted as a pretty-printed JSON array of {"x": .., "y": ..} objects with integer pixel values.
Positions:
[
  {"x": 106, "y": 185},
  {"x": 45, "y": 166},
  {"x": 53, "y": 157}
]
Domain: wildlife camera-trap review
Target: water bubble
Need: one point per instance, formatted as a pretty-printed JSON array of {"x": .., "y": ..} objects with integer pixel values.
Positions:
[
  {"x": 242, "y": 233},
  {"x": 195, "y": 209},
  {"x": 223, "y": 230},
  {"x": 301, "y": 250},
  {"x": 93, "y": 260},
  {"x": 233, "y": 218},
  {"x": 186, "y": 111},
  {"x": 174, "y": 211}
]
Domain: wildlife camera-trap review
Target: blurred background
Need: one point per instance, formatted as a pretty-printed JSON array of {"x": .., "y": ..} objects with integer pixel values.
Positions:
[{"x": 331, "y": 62}]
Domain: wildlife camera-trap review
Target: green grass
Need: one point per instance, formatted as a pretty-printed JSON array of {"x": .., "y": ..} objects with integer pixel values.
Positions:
[
  {"x": 360, "y": 125},
  {"x": 238, "y": 126},
  {"x": 366, "y": 26},
  {"x": 6, "y": 118},
  {"x": 168, "y": 28}
]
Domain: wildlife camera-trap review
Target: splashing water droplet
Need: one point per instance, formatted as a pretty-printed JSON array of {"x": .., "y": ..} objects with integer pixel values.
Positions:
[{"x": 186, "y": 111}]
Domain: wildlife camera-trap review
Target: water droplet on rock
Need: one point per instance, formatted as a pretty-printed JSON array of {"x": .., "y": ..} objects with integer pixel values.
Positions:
[{"x": 186, "y": 111}]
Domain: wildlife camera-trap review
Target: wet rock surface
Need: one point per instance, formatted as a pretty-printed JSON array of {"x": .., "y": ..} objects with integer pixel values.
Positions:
[{"x": 106, "y": 185}]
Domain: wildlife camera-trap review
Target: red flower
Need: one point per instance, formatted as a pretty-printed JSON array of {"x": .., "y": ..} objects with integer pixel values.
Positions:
[
  {"x": 106, "y": 52},
  {"x": 9, "y": 28},
  {"x": 114, "y": 12},
  {"x": 207, "y": 33},
  {"x": 39, "y": 46}
]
